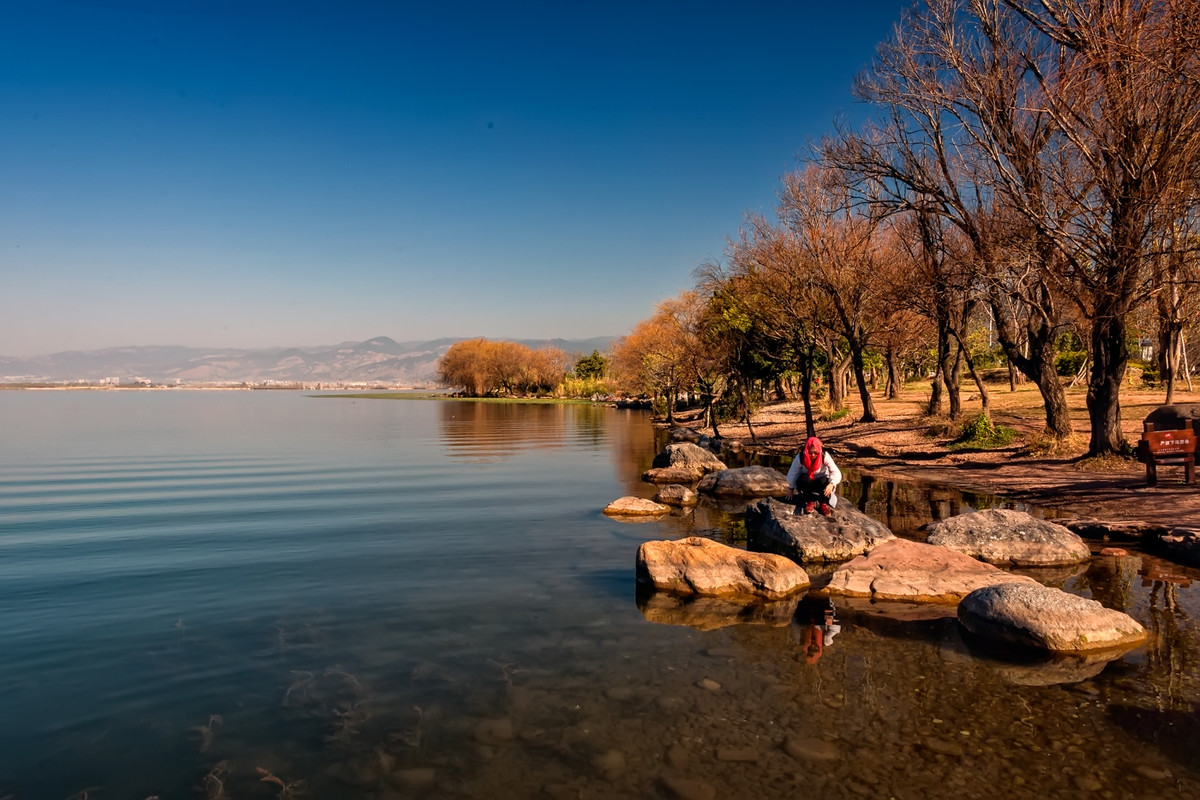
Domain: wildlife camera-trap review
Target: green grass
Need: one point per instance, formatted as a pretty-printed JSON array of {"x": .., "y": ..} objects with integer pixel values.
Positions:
[
  {"x": 981, "y": 433},
  {"x": 834, "y": 416}
]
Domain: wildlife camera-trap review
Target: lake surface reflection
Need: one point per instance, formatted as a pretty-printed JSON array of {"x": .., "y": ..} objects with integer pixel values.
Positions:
[{"x": 262, "y": 594}]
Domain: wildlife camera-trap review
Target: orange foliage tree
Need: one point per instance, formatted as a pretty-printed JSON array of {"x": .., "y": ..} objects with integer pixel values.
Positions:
[{"x": 482, "y": 368}]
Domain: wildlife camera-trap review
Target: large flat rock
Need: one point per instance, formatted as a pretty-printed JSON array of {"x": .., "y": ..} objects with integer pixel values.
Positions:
[
  {"x": 1039, "y": 617},
  {"x": 1007, "y": 537},
  {"x": 815, "y": 537},
  {"x": 696, "y": 565},
  {"x": 916, "y": 572}
]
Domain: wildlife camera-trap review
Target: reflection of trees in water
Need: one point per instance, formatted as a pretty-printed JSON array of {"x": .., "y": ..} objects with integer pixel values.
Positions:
[
  {"x": 1110, "y": 581},
  {"x": 489, "y": 431},
  {"x": 1173, "y": 653}
]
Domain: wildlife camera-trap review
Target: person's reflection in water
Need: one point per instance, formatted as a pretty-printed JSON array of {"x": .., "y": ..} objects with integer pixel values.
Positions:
[{"x": 814, "y": 625}]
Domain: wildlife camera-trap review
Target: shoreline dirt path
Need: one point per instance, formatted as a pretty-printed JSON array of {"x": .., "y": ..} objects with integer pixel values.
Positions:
[{"x": 901, "y": 444}]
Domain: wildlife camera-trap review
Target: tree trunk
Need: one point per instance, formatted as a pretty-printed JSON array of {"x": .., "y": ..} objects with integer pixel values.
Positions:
[
  {"x": 935, "y": 392},
  {"x": 708, "y": 395},
  {"x": 1036, "y": 364},
  {"x": 806, "y": 376},
  {"x": 1170, "y": 334},
  {"x": 860, "y": 377},
  {"x": 745, "y": 398},
  {"x": 892, "y": 392},
  {"x": 837, "y": 399},
  {"x": 983, "y": 394},
  {"x": 1109, "y": 357},
  {"x": 952, "y": 377},
  {"x": 1187, "y": 370}
]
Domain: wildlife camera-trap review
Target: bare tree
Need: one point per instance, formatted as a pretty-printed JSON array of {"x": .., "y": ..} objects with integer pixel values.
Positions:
[
  {"x": 1080, "y": 116},
  {"x": 841, "y": 246},
  {"x": 945, "y": 97}
]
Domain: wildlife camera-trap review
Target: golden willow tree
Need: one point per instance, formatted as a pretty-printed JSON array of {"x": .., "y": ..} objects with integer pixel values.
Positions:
[
  {"x": 482, "y": 368},
  {"x": 651, "y": 359}
]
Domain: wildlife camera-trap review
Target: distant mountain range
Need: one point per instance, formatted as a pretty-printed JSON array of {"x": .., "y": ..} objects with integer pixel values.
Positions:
[{"x": 378, "y": 360}]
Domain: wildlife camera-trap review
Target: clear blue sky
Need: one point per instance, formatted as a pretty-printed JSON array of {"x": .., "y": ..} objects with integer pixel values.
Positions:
[{"x": 253, "y": 174}]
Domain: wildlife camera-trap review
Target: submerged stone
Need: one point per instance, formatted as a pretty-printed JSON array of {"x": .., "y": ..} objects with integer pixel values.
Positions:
[
  {"x": 682, "y": 473},
  {"x": 807, "y": 748}
]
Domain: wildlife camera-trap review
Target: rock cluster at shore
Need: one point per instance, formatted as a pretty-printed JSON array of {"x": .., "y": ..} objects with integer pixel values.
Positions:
[{"x": 956, "y": 566}]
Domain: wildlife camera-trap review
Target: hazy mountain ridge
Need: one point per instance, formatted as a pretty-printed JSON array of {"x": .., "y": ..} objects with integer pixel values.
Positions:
[{"x": 380, "y": 359}]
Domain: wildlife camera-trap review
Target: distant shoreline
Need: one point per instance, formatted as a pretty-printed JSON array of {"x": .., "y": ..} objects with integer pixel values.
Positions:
[
  {"x": 35, "y": 387},
  {"x": 425, "y": 395}
]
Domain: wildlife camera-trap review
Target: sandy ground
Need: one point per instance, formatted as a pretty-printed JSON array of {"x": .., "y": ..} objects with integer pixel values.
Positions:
[{"x": 903, "y": 443}]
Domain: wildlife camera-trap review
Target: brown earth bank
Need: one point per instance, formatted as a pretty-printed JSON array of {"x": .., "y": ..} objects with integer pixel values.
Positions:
[{"x": 906, "y": 443}]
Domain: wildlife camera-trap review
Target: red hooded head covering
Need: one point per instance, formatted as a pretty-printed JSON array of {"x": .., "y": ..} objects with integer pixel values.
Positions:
[{"x": 814, "y": 456}]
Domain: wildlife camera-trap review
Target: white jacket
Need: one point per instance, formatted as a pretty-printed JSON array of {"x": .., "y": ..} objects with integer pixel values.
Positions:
[{"x": 827, "y": 468}]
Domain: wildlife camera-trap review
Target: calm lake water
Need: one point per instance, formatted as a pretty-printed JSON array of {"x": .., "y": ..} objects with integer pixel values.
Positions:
[{"x": 266, "y": 594}]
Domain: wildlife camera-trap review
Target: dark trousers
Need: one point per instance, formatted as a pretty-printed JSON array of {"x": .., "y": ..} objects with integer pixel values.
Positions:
[{"x": 810, "y": 490}]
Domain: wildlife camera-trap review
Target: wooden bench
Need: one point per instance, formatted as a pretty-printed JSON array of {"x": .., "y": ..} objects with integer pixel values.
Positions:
[{"x": 1168, "y": 448}]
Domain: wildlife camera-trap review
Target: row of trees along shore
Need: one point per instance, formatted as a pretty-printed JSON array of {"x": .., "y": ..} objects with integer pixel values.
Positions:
[
  {"x": 486, "y": 368},
  {"x": 1032, "y": 168}
]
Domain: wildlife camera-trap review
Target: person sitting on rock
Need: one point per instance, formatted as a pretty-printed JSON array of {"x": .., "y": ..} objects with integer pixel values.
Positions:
[{"x": 814, "y": 477}]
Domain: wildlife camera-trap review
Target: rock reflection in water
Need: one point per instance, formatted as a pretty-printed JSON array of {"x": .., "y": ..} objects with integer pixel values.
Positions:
[{"x": 709, "y": 613}]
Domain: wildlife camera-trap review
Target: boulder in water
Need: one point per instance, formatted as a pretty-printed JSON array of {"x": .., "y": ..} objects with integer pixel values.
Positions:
[
  {"x": 635, "y": 507},
  {"x": 814, "y": 537},
  {"x": 916, "y": 572},
  {"x": 674, "y": 494},
  {"x": 1004, "y": 536},
  {"x": 688, "y": 454},
  {"x": 1036, "y": 616},
  {"x": 696, "y": 565},
  {"x": 745, "y": 482}
]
